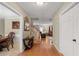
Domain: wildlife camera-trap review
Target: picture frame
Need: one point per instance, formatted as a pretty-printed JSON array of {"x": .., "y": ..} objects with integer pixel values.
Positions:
[
  {"x": 26, "y": 26},
  {"x": 15, "y": 25}
]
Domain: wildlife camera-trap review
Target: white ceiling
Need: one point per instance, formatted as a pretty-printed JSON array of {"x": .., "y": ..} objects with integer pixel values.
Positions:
[
  {"x": 44, "y": 12},
  {"x": 5, "y": 12}
]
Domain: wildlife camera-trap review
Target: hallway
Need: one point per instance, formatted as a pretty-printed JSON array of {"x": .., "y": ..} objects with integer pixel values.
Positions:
[
  {"x": 42, "y": 49},
  {"x": 41, "y": 28}
]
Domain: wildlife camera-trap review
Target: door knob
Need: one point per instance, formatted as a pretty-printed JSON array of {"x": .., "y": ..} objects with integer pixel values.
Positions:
[{"x": 74, "y": 40}]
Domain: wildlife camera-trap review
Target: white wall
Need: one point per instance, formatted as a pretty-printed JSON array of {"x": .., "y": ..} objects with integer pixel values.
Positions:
[
  {"x": 14, "y": 12},
  {"x": 56, "y": 24},
  {"x": 18, "y": 32},
  {"x": 8, "y": 26}
]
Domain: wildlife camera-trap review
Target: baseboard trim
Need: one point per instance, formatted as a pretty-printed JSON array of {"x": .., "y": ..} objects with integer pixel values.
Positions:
[{"x": 61, "y": 54}]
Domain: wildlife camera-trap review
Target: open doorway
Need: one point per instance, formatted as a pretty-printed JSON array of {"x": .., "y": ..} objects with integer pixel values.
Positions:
[
  {"x": 10, "y": 32},
  {"x": 38, "y": 28}
]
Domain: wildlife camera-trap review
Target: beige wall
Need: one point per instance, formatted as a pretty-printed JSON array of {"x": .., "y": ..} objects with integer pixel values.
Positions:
[
  {"x": 2, "y": 27},
  {"x": 56, "y": 31}
]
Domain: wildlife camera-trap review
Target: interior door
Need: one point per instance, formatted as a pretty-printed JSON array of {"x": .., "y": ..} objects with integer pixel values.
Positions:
[
  {"x": 76, "y": 28},
  {"x": 75, "y": 17},
  {"x": 67, "y": 34},
  {"x": 70, "y": 31}
]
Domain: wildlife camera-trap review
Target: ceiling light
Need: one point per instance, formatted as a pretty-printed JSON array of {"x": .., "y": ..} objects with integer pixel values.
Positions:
[{"x": 39, "y": 3}]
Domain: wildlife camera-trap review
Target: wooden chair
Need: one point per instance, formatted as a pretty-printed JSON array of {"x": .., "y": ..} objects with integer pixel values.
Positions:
[
  {"x": 0, "y": 36},
  {"x": 11, "y": 36},
  {"x": 5, "y": 43},
  {"x": 8, "y": 41},
  {"x": 0, "y": 41}
]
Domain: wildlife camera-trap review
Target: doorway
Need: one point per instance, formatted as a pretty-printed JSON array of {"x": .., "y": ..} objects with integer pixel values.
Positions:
[{"x": 69, "y": 37}]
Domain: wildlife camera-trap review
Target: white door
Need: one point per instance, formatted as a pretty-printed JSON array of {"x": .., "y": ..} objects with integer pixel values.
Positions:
[
  {"x": 75, "y": 17},
  {"x": 70, "y": 32},
  {"x": 66, "y": 42},
  {"x": 76, "y": 28}
]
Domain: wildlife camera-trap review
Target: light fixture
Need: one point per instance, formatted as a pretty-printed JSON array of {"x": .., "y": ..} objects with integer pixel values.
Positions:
[{"x": 39, "y": 3}]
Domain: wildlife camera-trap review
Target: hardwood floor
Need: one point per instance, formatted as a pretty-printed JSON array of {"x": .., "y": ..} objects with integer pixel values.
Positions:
[{"x": 42, "y": 49}]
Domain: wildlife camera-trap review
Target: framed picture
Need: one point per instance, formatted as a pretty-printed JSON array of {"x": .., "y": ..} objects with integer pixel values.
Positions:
[
  {"x": 15, "y": 25},
  {"x": 26, "y": 26}
]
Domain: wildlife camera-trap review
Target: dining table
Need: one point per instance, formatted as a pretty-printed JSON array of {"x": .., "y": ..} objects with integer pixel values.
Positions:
[{"x": 3, "y": 39}]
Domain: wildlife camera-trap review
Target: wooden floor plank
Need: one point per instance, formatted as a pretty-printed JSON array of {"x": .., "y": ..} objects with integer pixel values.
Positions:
[{"x": 42, "y": 49}]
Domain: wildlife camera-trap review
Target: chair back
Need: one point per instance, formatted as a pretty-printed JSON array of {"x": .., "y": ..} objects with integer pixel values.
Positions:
[
  {"x": 0, "y": 36},
  {"x": 11, "y": 35}
]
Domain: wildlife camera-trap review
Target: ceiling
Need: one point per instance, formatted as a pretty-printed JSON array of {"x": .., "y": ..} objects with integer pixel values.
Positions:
[
  {"x": 5, "y": 12},
  {"x": 43, "y": 13}
]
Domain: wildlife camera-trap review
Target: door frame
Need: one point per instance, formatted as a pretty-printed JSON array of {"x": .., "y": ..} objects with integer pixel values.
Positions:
[
  {"x": 21, "y": 17},
  {"x": 61, "y": 14}
]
